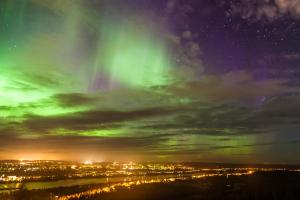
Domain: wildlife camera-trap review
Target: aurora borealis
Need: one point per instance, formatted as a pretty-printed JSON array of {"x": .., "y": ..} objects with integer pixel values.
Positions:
[{"x": 163, "y": 80}]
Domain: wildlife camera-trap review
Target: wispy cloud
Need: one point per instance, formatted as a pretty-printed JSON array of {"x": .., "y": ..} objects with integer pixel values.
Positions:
[{"x": 269, "y": 10}]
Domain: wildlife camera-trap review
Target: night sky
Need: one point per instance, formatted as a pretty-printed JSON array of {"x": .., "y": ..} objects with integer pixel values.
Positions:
[{"x": 150, "y": 80}]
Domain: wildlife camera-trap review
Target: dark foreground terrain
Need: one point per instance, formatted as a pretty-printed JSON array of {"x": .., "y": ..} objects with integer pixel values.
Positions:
[{"x": 259, "y": 186}]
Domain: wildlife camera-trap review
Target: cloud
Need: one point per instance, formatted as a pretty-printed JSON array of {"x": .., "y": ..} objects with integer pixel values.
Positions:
[
  {"x": 289, "y": 6},
  {"x": 182, "y": 41},
  {"x": 236, "y": 85},
  {"x": 269, "y": 10},
  {"x": 159, "y": 130},
  {"x": 74, "y": 99},
  {"x": 80, "y": 147},
  {"x": 227, "y": 104},
  {"x": 92, "y": 119},
  {"x": 275, "y": 115},
  {"x": 292, "y": 56},
  {"x": 101, "y": 143}
]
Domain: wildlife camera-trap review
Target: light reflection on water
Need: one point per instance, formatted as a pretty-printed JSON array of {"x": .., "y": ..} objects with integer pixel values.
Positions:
[{"x": 78, "y": 182}]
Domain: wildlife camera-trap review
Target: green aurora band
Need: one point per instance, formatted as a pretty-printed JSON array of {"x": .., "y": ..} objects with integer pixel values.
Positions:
[
  {"x": 126, "y": 55},
  {"x": 53, "y": 48}
]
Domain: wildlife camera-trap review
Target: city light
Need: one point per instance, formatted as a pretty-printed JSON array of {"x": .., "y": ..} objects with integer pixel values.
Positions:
[{"x": 88, "y": 162}]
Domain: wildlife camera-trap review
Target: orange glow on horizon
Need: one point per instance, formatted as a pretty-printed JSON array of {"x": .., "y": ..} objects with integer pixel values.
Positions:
[{"x": 37, "y": 156}]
